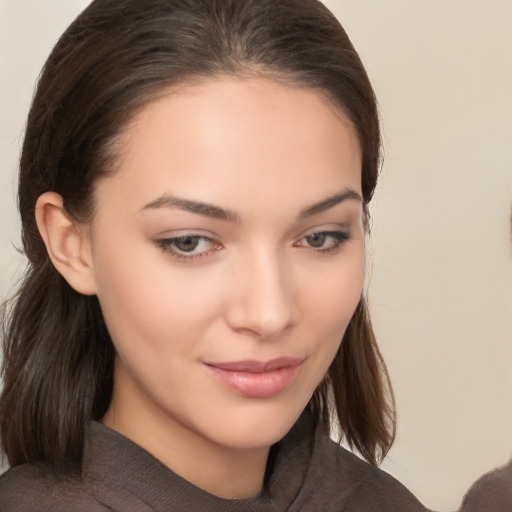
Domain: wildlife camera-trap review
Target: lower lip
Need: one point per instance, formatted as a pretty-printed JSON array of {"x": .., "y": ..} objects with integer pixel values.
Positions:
[{"x": 256, "y": 385}]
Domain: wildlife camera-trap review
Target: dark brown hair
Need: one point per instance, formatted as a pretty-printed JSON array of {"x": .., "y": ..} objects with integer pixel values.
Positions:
[{"x": 114, "y": 58}]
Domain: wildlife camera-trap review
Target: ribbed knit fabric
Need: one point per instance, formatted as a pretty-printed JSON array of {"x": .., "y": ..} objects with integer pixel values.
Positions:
[{"x": 308, "y": 473}]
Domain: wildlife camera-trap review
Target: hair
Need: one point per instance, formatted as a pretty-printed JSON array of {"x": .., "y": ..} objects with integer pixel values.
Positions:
[{"x": 114, "y": 59}]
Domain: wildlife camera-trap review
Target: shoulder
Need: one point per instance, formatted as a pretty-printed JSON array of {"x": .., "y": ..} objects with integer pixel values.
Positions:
[
  {"x": 373, "y": 485},
  {"x": 29, "y": 488},
  {"x": 332, "y": 479},
  {"x": 360, "y": 486},
  {"x": 492, "y": 492}
]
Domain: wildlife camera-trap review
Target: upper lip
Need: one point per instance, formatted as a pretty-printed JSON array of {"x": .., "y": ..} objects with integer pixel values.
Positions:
[{"x": 253, "y": 366}]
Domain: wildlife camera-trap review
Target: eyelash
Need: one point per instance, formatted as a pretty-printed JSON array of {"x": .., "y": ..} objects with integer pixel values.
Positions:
[
  {"x": 338, "y": 239},
  {"x": 168, "y": 245}
]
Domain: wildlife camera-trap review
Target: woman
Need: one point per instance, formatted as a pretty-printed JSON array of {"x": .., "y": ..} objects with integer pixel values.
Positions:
[{"x": 194, "y": 190}]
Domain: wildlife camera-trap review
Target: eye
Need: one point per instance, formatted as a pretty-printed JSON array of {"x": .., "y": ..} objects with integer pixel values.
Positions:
[
  {"x": 323, "y": 241},
  {"x": 188, "y": 247}
]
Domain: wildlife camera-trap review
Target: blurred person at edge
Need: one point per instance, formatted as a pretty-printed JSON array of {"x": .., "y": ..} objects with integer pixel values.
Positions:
[{"x": 491, "y": 493}]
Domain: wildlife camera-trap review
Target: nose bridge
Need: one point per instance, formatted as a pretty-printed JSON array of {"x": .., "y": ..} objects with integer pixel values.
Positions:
[{"x": 264, "y": 302}]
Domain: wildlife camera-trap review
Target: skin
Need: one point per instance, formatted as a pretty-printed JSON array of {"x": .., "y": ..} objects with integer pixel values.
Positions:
[{"x": 257, "y": 286}]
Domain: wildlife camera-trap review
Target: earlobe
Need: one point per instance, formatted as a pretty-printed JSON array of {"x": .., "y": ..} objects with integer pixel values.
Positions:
[{"x": 67, "y": 243}]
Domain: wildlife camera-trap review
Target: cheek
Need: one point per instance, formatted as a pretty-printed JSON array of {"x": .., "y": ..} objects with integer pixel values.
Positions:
[
  {"x": 336, "y": 295},
  {"x": 146, "y": 301},
  {"x": 131, "y": 303},
  {"x": 329, "y": 299}
]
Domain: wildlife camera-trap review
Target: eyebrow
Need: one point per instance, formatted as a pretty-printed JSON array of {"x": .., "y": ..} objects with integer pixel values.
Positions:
[
  {"x": 216, "y": 212},
  {"x": 328, "y": 203},
  {"x": 198, "y": 207}
]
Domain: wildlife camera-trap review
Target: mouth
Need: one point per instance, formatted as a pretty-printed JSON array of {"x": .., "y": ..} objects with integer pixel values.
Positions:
[{"x": 256, "y": 379}]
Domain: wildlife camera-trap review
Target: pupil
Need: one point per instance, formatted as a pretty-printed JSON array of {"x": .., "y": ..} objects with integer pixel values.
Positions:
[
  {"x": 187, "y": 243},
  {"x": 316, "y": 239}
]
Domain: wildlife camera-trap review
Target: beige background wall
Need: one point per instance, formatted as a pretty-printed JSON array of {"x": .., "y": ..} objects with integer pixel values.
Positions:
[{"x": 441, "y": 257}]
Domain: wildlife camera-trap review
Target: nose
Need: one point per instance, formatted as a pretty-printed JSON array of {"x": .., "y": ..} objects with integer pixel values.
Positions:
[{"x": 263, "y": 302}]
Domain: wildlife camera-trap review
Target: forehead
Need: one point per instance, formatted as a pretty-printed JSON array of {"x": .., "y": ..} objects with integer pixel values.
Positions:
[{"x": 249, "y": 136}]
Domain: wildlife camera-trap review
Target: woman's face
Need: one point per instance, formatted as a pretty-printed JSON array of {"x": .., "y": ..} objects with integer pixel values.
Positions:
[{"x": 228, "y": 258}]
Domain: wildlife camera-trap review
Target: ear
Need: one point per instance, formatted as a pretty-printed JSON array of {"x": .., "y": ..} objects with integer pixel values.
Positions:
[{"x": 67, "y": 243}]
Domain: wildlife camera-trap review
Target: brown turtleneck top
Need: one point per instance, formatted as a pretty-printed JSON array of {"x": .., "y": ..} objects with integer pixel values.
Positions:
[{"x": 308, "y": 473}]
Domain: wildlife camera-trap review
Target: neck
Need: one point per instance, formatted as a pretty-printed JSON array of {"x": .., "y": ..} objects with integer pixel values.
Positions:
[{"x": 221, "y": 471}]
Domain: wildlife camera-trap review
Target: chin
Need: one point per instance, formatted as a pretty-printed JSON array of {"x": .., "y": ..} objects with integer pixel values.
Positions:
[{"x": 256, "y": 429}]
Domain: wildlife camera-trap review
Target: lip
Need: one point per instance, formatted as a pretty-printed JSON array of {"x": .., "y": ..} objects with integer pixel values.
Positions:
[{"x": 256, "y": 379}]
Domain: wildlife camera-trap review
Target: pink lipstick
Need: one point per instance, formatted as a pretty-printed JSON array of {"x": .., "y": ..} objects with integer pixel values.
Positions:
[{"x": 256, "y": 379}]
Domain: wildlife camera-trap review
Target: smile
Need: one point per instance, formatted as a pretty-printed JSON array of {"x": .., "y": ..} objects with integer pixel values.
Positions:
[{"x": 255, "y": 379}]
